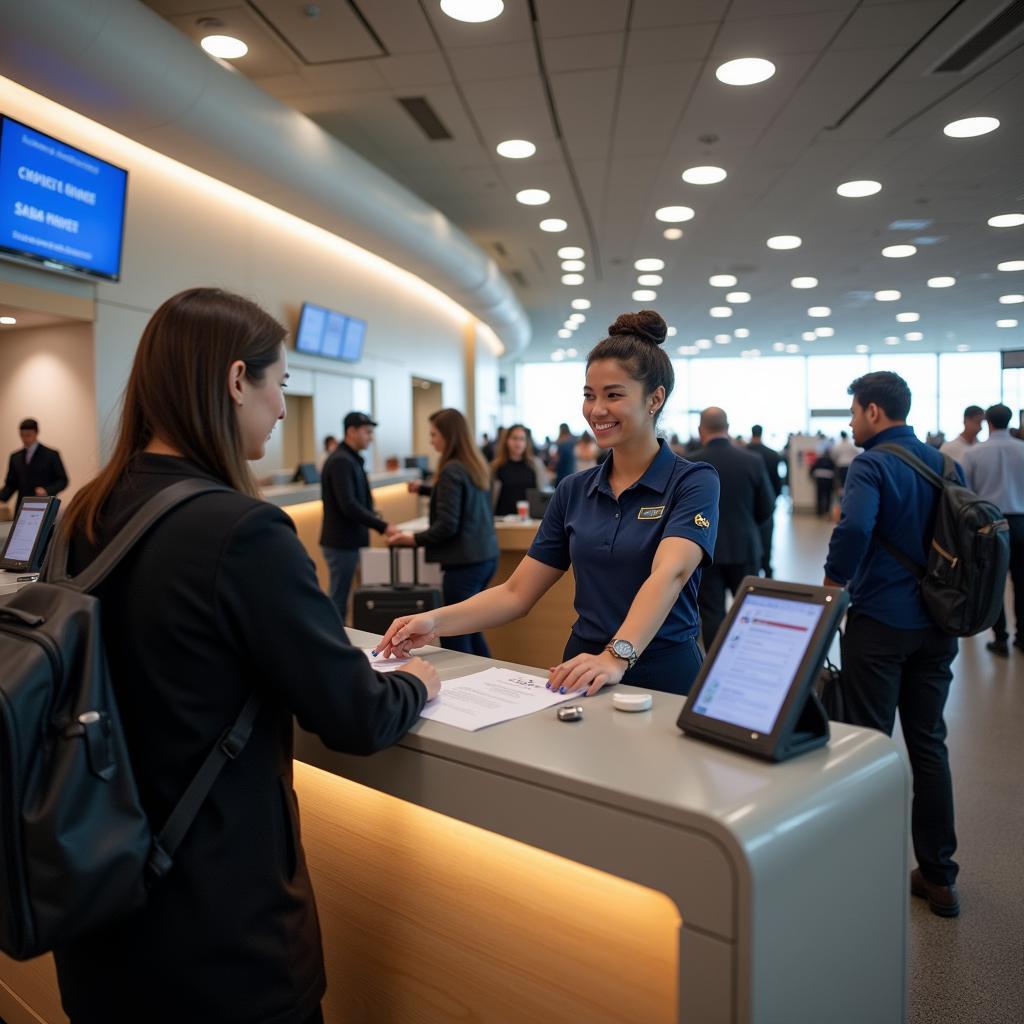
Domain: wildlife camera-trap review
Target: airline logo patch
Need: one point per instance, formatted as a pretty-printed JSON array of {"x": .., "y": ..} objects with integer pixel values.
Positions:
[
  {"x": 651, "y": 512},
  {"x": 699, "y": 520}
]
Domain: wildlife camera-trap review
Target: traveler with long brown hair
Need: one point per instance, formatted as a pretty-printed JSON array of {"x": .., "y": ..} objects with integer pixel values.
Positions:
[
  {"x": 515, "y": 470},
  {"x": 219, "y": 600},
  {"x": 461, "y": 533}
]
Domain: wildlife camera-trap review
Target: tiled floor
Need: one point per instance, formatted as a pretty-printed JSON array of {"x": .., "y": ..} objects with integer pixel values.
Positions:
[{"x": 969, "y": 970}]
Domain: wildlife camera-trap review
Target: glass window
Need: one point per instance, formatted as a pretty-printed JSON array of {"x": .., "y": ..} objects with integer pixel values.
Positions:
[
  {"x": 920, "y": 371},
  {"x": 828, "y": 377},
  {"x": 1013, "y": 395},
  {"x": 965, "y": 378}
]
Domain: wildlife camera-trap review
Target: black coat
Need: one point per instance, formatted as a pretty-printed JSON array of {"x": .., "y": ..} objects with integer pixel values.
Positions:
[
  {"x": 746, "y": 501},
  {"x": 220, "y": 600},
  {"x": 348, "y": 504},
  {"x": 461, "y": 530},
  {"x": 772, "y": 461},
  {"x": 45, "y": 470}
]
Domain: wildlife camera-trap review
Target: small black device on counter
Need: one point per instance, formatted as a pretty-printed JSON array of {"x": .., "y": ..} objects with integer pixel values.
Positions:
[
  {"x": 571, "y": 713},
  {"x": 755, "y": 690},
  {"x": 30, "y": 534}
]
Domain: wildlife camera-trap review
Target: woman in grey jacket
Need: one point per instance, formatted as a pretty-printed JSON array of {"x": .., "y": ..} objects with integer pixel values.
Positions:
[{"x": 461, "y": 534}]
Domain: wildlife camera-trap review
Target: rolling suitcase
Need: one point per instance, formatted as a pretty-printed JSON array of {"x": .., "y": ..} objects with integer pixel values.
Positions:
[{"x": 377, "y": 605}]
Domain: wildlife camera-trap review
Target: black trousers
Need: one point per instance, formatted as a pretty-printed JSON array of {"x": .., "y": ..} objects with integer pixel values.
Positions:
[
  {"x": 459, "y": 583},
  {"x": 885, "y": 669},
  {"x": 714, "y": 582},
  {"x": 1017, "y": 578},
  {"x": 824, "y": 493},
  {"x": 767, "y": 531}
]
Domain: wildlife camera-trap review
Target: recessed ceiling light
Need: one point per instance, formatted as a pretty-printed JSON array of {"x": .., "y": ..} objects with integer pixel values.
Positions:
[
  {"x": 516, "y": 149},
  {"x": 687, "y": 350},
  {"x": 672, "y": 234},
  {"x": 571, "y": 353},
  {"x": 898, "y": 252},
  {"x": 553, "y": 224},
  {"x": 557, "y": 356},
  {"x": 752, "y": 353},
  {"x": 969, "y": 127},
  {"x": 792, "y": 348},
  {"x": 225, "y": 47},
  {"x": 721, "y": 280},
  {"x": 704, "y": 175},
  {"x": 859, "y": 189},
  {"x": 649, "y": 264},
  {"x": 581, "y": 303},
  {"x": 1006, "y": 323},
  {"x": 573, "y": 266},
  {"x": 888, "y": 295},
  {"x": 650, "y": 280},
  {"x": 533, "y": 197},
  {"x": 563, "y": 333},
  {"x": 779, "y": 346},
  {"x": 674, "y": 214},
  {"x": 737, "y": 298},
  {"x": 745, "y": 71},
  {"x": 571, "y": 325},
  {"x": 1006, "y": 220},
  {"x": 472, "y": 10},
  {"x": 723, "y": 339},
  {"x": 963, "y": 348},
  {"x": 720, "y": 312},
  {"x": 1011, "y": 265},
  {"x": 819, "y": 311},
  {"x": 577, "y": 318},
  {"x": 573, "y": 279},
  {"x": 908, "y": 318},
  {"x": 824, "y": 332},
  {"x": 671, "y": 332},
  {"x": 784, "y": 242},
  {"x": 913, "y": 336},
  {"x": 741, "y": 332},
  {"x": 570, "y": 252},
  {"x": 704, "y": 343},
  {"x": 941, "y": 282},
  {"x": 892, "y": 340},
  {"x": 8, "y": 320},
  {"x": 644, "y": 295},
  {"x": 861, "y": 349},
  {"x": 808, "y": 336},
  {"x": 1010, "y": 300},
  {"x": 804, "y": 282}
]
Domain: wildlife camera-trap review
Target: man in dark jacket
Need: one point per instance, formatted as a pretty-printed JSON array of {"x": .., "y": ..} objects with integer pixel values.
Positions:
[
  {"x": 747, "y": 500},
  {"x": 348, "y": 508},
  {"x": 772, "y": 461},
  {"x": 34, "y": 471}
]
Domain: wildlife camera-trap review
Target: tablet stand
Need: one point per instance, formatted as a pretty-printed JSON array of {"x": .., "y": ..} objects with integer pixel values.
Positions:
[{"x": 809, "y": 731}]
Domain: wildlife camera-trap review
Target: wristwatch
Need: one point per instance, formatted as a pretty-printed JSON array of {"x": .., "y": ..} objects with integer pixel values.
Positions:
[{"x": 625, "y": 650}]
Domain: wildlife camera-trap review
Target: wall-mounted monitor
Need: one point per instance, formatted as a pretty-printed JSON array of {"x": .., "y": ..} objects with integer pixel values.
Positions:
[
  {"x": 325, "y": 332},
  {"x": 59, "y": 206}
]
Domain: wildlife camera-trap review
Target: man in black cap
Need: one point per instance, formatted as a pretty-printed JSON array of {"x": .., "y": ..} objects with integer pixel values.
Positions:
[
  {"x": 34, "y": 470},
  {"x": 348, "y": 508}
]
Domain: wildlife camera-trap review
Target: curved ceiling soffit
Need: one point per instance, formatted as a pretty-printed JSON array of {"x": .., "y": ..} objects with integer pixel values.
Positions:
[{"x": 119, "y": 63}]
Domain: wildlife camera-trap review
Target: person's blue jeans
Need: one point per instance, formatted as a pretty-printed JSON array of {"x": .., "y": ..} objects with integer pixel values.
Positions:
[
  {"x": 341, "y": 565},
  {"x": 458, "y": 583},
  {"x": 671, "y": 669}
]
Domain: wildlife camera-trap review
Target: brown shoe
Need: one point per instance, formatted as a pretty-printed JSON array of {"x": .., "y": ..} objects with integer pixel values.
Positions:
[{"x": 942, "y": 899}]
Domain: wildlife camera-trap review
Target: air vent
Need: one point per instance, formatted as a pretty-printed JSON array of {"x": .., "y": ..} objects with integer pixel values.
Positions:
[
  {"x": 995, "y": 31},
  {"x": 425, "y": 116}
]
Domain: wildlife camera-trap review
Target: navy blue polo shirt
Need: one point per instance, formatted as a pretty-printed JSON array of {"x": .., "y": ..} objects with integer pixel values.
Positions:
[{"x": 611, "y": 542}]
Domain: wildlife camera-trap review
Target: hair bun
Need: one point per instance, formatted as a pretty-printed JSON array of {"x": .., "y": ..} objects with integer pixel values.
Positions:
[{"x": 646, "y": 324}]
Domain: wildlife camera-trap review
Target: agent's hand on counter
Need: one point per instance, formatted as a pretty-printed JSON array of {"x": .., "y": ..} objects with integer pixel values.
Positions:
[
  {"x": 414, "y": 486},
  {"x": 407, "y": 633},
  {"x": 391, "y": 531},
  {"x": 426, "y": 674},
  {"x": 398, "y": 539},
  {"x": 587, "y": 672}
]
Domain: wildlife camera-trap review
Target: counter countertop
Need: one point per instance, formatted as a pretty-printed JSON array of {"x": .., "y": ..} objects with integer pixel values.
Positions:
[{"x": 295, "y": 494}]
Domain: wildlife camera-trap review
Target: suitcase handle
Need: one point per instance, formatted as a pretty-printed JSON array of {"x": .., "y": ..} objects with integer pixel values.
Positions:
[{"x": 394, "y": 553}]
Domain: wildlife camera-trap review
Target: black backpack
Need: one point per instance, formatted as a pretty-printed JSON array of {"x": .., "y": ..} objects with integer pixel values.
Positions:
[
  {"x": 77, "y": 849},
  {"x": 962, "y": 585}
]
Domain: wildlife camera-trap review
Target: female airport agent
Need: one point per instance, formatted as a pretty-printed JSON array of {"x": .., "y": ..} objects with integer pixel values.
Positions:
[
  {"x": 635, "y": 529},
  {"x": 515, "y": 470},
  {"x": 461, "y": 532},
  {"x": 219, "y": 600}
]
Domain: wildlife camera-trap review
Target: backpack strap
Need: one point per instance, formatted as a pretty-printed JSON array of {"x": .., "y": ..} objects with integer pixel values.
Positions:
[{"x": 56, "y": 567}]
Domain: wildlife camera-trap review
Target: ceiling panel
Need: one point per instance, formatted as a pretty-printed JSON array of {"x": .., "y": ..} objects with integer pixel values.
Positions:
[
  {"x": 412, "y": 70},
  {"x": 267, "y": 54},
  {"x": 569, "y": 17},
  {"x": 659, "y": 13},
  {"x": 400, "y": 24},
  {"x": 326, "y": 31},
  {"x": 584, "y": 53},
  {"x": 775, "y": 36},
  {"x": 485, "y": 63},
  {"x": 671, "y": 43}
]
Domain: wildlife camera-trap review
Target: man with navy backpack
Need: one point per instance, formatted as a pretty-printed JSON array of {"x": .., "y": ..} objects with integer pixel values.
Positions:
[{"x": 894, "y": 657}]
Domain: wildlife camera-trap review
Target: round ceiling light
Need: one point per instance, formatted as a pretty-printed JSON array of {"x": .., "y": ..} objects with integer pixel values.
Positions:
[
  {"x": 574, "y": 266},
  {"x": 804, "y": 282},
  {"x": 672, "y": 234},
  {"x": 670, "y": 332},
  {"x": 1006, "y": 220},
  {"x": 722, "y": 280},
  {"x": 472, "y": 10},
  {"x": 1006, "y": 323},
  {"x": 899, "y": 252},
  {"x": 859, "y": 189},
  {"x": 808, "y": 336},
  {"x": 533, "y": 197},
  {"x": 649, "y": 264},
  {"x": 553, "y": 224},
  {"x": 913, "y": 336},
  {"x": 557, "y": 356},
  {"x": 687, "y": 350},
  {"x": 818, "y": 311},
  {"x": 745, "y": 71},
  {"x": 1011, "y": 300},
  {"x": 778, "y": 346},
  {"x": 888, "y": 295},
  {"x": 741, "y": 332},
  {"x": 861, "y": 349},
  {"x": 516, "y": 149},
  {"x": 963, "y": 348},
  {"x": 674, "y": 214},
  {"x": 737, "y": 298},
  {"x": 704, "y": 175},
  {"x": 581, "y": 303},
  {"x": 720, "y": 312},
  {"x": 908, "y": 318},
  {"x": 563, "y": 333},
  {"x": 644, "y": 295},
  {"x": 969, "y": 127},
  {"x": 570, "y": 252},
  {"x": 1011, "y": 265},
  {"x": 723, "y": 339},
  {"x": 824, "y": 332},
  {"x": 225, "y": 47},
  {"x": 571, "y": 325},
  {"x": 792, "y": 348},
  {"x": 892, "y": 340},
  {"x": 577, "y": 318},
  {"x": 650, "y": 280},
  {"x": 571, "y": 353},
  {"x": 704, "y": 343},
  {"x": 784, "y": 242},
  {"x": 572, "y": 279},
  {"x": 940, "y": 282}
]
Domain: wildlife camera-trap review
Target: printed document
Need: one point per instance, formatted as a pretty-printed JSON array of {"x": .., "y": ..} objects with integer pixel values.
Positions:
[
  {"x": 379, "y": 664},
  {"x": 489, "y": 697}
]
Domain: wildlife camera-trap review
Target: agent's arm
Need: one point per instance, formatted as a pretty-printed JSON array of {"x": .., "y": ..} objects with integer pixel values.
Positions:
[{"x": 59, "y": 481}]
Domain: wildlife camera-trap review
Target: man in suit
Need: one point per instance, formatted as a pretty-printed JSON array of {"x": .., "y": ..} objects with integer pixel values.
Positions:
[
  {"x": 34, "y": 471},
  {"x": 772, "y": 460},
  {"x": 747, "y": 500}
]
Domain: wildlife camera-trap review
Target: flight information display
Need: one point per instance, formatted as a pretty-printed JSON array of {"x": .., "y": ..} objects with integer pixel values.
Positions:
[{"x": 324, "y": 332}]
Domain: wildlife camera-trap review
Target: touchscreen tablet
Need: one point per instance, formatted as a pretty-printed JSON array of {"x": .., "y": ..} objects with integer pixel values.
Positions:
[{"x": 30, "y": 533}]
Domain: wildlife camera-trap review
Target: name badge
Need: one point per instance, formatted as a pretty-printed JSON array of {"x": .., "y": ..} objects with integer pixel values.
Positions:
[{"x": 655, "y": 512}]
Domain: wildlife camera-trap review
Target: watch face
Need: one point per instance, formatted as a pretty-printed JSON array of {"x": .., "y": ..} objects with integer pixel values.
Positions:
[{"x": 623, "y": 648}]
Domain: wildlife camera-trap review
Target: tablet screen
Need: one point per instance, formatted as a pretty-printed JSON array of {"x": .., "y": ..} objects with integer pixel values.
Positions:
[
  {"x": 25, "y": 530},
  {"x": 755, "y": 665}
]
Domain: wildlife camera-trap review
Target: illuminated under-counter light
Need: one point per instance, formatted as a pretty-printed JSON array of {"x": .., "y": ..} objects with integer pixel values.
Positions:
[
  {"x": 741, "y": 332},
  {"x": 809, "y": 336},
  {"x": 563, "y": 333},
  {"x": 1011, "y": 300},
  {"x": 941, "y": 282},
  {"x": 650, "y": 280},
  {"x": 745, "y": 71},
  {"x": 888, "y": 295},
  {"x": 516, "y": 149},
  {"x": 723, "y": 339},
  {"x": 577, "y": 318},
  {"x": 824, "y": 332},
  {"x": 778, "y": 346},
  {"x": 1011, "y": 265},
  {"x": 671, "y": 332},
  {"x": 913, "y": 336},
  {"x": 859, "y": 189},
  {"x": 720, "y": 312},
  {"x": 784, "y": 242},
  {"x": 704, "y": 175},
  {"x": 572, "y": 279},
  {"x": 644, "y": 295},
  {"x": 672, "y": 234},
  {"x": 533, "y": 197},
  {"x": 581, "y": 303},
  {"x": 737, "y": 298},
  {"x": 570, "y": 252},
  {"x": 703, "y": 343},
  {"x": 573, "y": 266},
  {"x": 1006, "y": 220},
  {"x": 1006, "y": 323},
  {"x": 553, "y": 224},
  {"x": 649, "y": 263},
  {"x": 819, "y": 311},
  {"x": 722, "y": 280},
  {"x": 674, "y": 214},
  {"x": 969, "y": 127},
  {"x": 861, "y": 349},
  {"x": 963, "y": 348},
  {"x": 899, "y": 252},
  {"x": 804, "y": 282},
  {"x": 792, "y": 348},
  {"x": 908, "y": 318},
  {"x": 892, "y": 340},
  {"x": 473, "y": 10},
  {"x": 224, "y": 47},
  {"x": 8, "y": 321}
]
